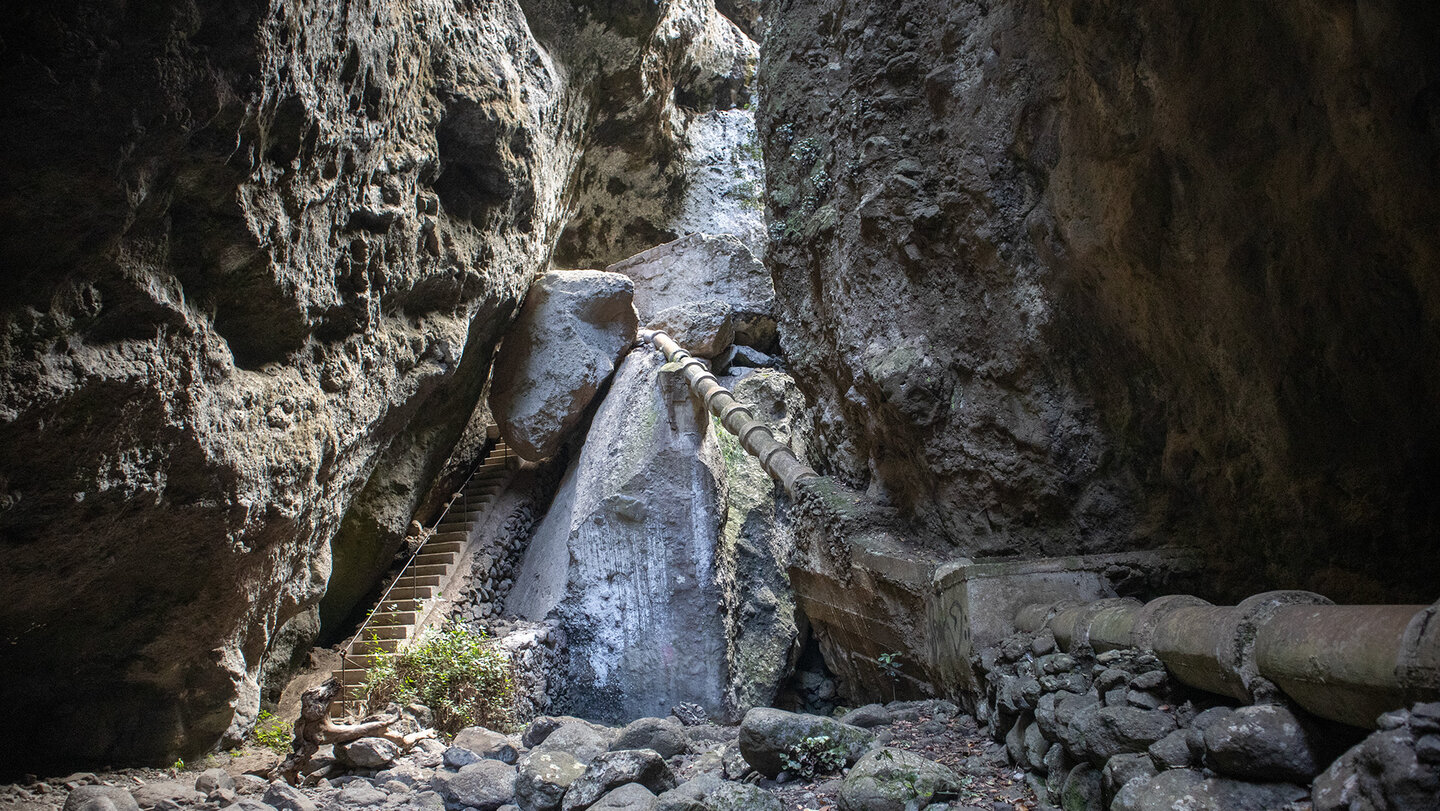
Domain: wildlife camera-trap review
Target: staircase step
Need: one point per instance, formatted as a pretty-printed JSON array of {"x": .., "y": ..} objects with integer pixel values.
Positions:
[
  {"x": 363, "y": 661},
  {"x": 375, "y": 645},
  {"x": 435, "y": 546},
  {"x": 372, "y": 632},
  {"x": 415, "y": 593},
  {"x": 428, "y": 558},
  {"x": 392, "y": 618},
  {"x": 419, "y": 570},
  {"x": 451, "y": 536}
]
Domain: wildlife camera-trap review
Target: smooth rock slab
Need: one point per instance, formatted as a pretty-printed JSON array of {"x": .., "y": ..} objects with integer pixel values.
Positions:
[
  {"x": 485, "y": 784},
  {"x": 702, "y": 328},
  {"x": 581, "y": 739},
  {"x": 361, "y": 793},
  {"x": 212, "y": 779},
  {"x": 895, "y": 780},
  {"x": 572, "y": 330},
  {"x": 700, "y": 268},
  {"x": 154, "y": 792},
  {"x": 767, "y": 734}
]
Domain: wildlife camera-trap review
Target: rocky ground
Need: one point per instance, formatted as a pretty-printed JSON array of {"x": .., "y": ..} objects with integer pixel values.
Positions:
[{"x": 926, "y": 754}]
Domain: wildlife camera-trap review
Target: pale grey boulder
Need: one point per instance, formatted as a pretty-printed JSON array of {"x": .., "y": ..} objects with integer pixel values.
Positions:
[
  {"x": 700, "y": 267},
  {"x": 544, "y": 777},
  {"x": 572, "y": 330}
]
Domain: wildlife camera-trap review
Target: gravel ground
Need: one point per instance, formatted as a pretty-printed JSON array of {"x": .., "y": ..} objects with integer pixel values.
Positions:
[{"x": 990, "y": 782}]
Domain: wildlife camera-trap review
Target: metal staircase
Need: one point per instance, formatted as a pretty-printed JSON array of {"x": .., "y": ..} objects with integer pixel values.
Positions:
[{"x": 407, "y": 606}]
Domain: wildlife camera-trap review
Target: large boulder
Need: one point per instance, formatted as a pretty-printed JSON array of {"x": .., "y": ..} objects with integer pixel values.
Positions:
[
  {"x": 1381, "y": 773},
  {"x": 767, "y": 735},
  {"x": 702, "y": 268},
  {"x": 710, "y": 793},
  {"x": 573, "y": 329},
  {"x": 581, "y": 739},
  {"x": 1264, "y": 742},
  {"x": 484, "y": 784},
  {"x": 895, "y": 780},
  {"x": 1192, "y": 791},
  {"x": 100, "y": 798},
  {"x": 613, "y": 769},
  {"x": 286, "y": 797},
  {"x": 664, "y": 735},
  {"x": 702, "y": 328},
  {"x": 367, "y": 753},
  {"x": 487, "y": 744},
  {"x": 1100, "y": 733},
  {"x": 180, "y": 793},
  {"x": 544, "y": 777},
  {"x": 624, "y": 557}
]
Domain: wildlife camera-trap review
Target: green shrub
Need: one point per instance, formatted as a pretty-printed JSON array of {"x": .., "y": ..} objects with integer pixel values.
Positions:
[
  {"x": 460, "y": 675},
  {"x": 814, "y": 756},
  {"x": 272, "y": 732}
]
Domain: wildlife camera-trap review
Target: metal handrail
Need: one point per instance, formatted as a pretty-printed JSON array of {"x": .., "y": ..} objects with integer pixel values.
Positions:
[{"x": 425, "y": 535}]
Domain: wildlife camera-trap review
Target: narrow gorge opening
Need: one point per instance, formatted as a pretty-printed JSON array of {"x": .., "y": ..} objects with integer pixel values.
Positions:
[{"x": 721, "y": 404}]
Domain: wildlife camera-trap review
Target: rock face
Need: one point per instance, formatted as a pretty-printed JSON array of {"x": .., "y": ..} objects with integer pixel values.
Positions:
[
  {"x": 259, "y": 259},
  {"x": 574, "y": 328},
  {"x": 702, "y": 267},
  {"x": 1056, "y": 287},
  {"x": 625, "y": 557}
]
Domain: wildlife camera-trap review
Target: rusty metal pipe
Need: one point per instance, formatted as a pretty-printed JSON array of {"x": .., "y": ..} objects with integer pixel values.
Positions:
[
  {"x": 1346, "y": 663},
  {"x": 738, "y": 418}
]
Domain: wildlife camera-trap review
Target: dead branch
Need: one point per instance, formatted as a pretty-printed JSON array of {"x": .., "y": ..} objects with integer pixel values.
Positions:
[{"x": 314, "y": 729}]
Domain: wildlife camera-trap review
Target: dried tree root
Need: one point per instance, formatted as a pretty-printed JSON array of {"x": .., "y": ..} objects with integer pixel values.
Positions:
[{"x": 314, "y": 729}]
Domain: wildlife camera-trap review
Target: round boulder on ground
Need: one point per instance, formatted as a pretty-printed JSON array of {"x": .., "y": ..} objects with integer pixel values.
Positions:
[
  {"x": 367, "y": 753},
  {"x": 896, "y": 780},
  {"x": 767, "y": 735},
  {"x": 487, "y": 744},
  {"x": 484, "y": 784},
  {"x": 1265, "y": 742},
  {"x": 543, "y": 779},
  {"x": 100, "y": 798},
  {"x": 614, "y": 769},
  {"x": 664, "y": 735}
]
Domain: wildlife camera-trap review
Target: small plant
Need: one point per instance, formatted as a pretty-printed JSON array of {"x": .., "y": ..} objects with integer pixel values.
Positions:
[
  {"x": 272, "y": 732},
  {"x": 890, "y": 666},
  {"x": 460, "y": 675},
  {"x": 178, "y": 765},
  {"x": 814, "y": 756}
]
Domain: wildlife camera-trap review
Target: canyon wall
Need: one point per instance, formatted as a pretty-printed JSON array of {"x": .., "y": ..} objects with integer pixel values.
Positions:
[
  {"x": 1079, "y": 277},
  {"x": 258, "y": 259}
]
